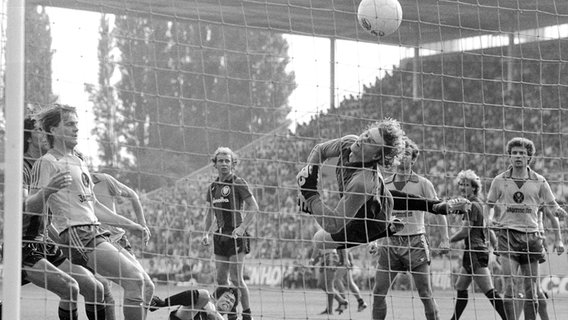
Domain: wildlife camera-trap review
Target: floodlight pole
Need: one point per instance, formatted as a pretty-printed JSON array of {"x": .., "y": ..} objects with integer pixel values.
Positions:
[
  {"x": 415, "y": 70},
  {"x": 14, "y": 113},
  {"x": 332, "y": 73},
  {"x": 510, "y": 53}
]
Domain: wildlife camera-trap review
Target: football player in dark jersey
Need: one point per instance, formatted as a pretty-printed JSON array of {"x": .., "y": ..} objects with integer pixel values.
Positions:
[
  {"x": 475, "y": 235},
  {"x": 233, "y": 206}
]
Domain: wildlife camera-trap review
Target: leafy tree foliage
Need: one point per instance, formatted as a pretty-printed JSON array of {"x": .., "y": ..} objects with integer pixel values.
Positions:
[
  {"x": 38, "y": 55},
  {"x": 185, "y": 89}
]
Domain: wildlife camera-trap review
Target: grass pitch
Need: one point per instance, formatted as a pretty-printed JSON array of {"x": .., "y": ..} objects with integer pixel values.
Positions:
[{"x": 276, "y": 304}]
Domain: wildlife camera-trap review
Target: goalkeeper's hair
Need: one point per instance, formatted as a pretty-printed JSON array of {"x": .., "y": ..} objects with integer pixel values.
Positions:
[
  {"x": 51, "y": 117},
  {"x": 393, "y": 136},
  {"x": 473, "y": 178},
  {"x": 233, "y": 290},
  {"x": 521, "y": 142},
  {"x": 227, "y": 151}
]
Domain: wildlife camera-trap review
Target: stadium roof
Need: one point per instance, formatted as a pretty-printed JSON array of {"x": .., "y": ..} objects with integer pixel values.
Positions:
[{"x": 424, "y": 21}]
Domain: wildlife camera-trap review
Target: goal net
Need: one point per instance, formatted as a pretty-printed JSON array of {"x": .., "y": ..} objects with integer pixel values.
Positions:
[{"x": 160, "y": 85}]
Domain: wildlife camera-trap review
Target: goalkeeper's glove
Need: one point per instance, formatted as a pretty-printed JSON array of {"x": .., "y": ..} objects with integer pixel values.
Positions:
[
  {"x": 456, "y": 206},
  {"x": 303, "y": 204},
  {"x": 156, "y": 303},
  {"x": 307, "y": 180}
]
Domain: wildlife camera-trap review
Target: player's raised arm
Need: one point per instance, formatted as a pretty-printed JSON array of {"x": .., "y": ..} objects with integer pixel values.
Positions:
[
  {"x": 326, "y": 150},
  {"x": 406, "y": 201}
]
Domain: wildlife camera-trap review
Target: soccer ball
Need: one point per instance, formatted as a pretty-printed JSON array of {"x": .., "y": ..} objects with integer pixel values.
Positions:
[{"x": 380, "y": 17}]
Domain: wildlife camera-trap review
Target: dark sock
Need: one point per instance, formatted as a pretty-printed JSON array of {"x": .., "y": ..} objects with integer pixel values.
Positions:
[
  {"x": 232, "y": 316},
  {"x": 542, "y": 312},
  {"x": 530, "y": 309},
  {"x": 432, "y": 315},
  {"x": 509, "y": 305},
  {"x": 67, "y": 314},
  {"x": 379, "y": 311},
  {"x": 497, "y": 303},
  {"x": 185, "y": 298},
  {"x": 95, "y": 311},
  {"x": 461, "y": 303}
]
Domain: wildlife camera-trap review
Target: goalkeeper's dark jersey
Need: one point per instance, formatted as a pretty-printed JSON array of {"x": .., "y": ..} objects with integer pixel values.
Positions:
[
  {"x": 353, "y": 177},
  {"x": 227, "y": 198}
]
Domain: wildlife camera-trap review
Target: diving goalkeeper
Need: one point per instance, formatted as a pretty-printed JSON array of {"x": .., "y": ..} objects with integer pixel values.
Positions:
[{"x": 363, "y": 213}]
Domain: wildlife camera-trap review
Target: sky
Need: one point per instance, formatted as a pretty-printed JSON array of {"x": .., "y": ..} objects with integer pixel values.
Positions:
[{"x": 75, "y": 39}]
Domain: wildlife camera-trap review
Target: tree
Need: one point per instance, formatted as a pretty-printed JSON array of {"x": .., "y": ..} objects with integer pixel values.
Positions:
[
  {"x": 103, "y": 97},
  {"x": 38, "y": 55},
  {"x": 187, "y": 88}
]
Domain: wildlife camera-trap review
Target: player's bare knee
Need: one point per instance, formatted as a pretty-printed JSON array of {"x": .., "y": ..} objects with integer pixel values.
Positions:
[
  {"x": 94, "y": 291},
  {"x": 71, "y": 290}
]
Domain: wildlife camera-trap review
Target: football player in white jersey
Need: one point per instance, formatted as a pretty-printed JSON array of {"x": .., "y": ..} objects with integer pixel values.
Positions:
[
  {"x": 408, "y": 249},
  {"x": 107, "y": 190},
  {"x": 518, "y": 193},
  {"x": 76, "y": 213}
]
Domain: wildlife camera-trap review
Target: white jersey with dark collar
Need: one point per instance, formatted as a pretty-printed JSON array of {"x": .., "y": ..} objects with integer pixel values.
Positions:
[
  {"x": 70, "y": 206},
  {"x": 519, "y": 199},
  {"x": 413, "y": 220}
]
